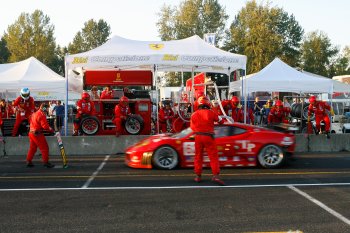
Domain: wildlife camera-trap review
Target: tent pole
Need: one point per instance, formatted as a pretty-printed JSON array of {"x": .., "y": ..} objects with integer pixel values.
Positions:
[
  {"x": 245, "y": 96},
  {"x": 66, "y": 105},
  {"x": 157, "y": 96}
]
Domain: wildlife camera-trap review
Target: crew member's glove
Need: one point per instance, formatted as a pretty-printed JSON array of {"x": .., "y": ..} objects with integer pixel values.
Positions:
[
  {"x": 332, "y": 112},
  {"x": 308, "y": 118}
]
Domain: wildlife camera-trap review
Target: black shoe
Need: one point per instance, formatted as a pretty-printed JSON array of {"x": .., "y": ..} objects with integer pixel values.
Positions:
[
  {"x": 48, "y": 165},
  {"x": 30, "y": 164},
  {"x": 328, "y": 135}
]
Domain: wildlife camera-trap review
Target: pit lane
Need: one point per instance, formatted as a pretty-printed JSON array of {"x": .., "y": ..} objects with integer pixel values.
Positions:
[{"x": 102, "y": 189}]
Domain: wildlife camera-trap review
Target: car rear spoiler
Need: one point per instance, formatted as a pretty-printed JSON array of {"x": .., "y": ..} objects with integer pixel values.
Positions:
[{"x": 282, "y": 127}]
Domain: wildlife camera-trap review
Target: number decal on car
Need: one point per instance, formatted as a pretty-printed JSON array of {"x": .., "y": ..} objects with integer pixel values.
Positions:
[{"x": 188, "y": 148}]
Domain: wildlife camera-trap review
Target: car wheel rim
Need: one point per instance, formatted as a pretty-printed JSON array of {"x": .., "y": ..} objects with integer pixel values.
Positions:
[
  {"x": 133, "y": 126},
  {"x": 166, "y": 158},
  {"x": 89, "y": 126},
  {"x": 271, "y": 155}
]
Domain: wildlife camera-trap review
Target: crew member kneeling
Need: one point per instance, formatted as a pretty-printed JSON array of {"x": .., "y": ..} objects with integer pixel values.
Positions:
[
  {"x": 121, "y": 112},
  {"x": 202, "y": 123},
  {"x": 38, "y": 124},
  {"x": 24, "y": 108},
  {"x": 84, "y": 107}
]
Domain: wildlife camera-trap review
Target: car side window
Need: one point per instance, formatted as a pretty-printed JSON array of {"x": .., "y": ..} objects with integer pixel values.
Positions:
[
  {"x": 222, "y": 131},
  {"x": 227, "y": 130},
  {"x": 237, "y": 130}
]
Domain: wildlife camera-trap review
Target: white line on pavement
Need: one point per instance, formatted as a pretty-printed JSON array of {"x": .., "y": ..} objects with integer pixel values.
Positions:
[
  {"x": 320, "y": 204},
  {"x": 88, "y": 182},
  {"x": 178, "y": 187}
]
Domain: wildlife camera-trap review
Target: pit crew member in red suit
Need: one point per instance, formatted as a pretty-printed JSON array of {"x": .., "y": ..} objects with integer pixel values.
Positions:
[
  {"x": 121, "y": 112},
  {"x": 195, "y": 104},
  {"x": 38, "y": 124},
  {"x": 166, "y": 116},
  {"x": 107, "y": 93},
  {"x": 277, "y": 114},
  {"x": 319, "y": 109},
  {"x": 202, "y": 123},
  {"x": 25, "y": 107},
  {"x": 84, "y": 107},
  {"x": 216, "y": 107}
]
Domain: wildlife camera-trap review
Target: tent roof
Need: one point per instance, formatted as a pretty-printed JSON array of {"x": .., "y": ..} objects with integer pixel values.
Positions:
[
  {"x": 30, "y": 73},
  {"x": 175, "y": 55},
  {"x": 278, "y": 76}
]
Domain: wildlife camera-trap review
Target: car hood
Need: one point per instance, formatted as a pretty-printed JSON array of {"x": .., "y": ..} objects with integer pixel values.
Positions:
[{"x": 149, "y": 143}]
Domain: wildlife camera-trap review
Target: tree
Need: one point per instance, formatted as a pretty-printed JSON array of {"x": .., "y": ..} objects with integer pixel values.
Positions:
[
  {"x": 4, "y": 52},
  {"x": 318, "y": 54},
  {"x": 262, "y": 33},
  {"x": 192, "y": 17},
  {"x": 91, "y": 36},
  {"x": 31, "y": 35},
  {"x": 341, "y": 65}
]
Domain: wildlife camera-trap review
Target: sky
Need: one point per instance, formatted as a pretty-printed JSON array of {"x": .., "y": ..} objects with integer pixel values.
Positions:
[{"x": 136, "y": 19}]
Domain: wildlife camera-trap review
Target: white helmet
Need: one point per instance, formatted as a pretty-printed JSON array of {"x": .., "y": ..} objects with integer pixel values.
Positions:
[{"x": 25, "y": 93}]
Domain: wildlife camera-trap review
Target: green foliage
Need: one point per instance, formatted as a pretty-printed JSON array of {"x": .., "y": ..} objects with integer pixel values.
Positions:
[
  {"x": 31, "y": 35},
  {"x": 4, "y": 52},
  {"x": 341, "y": 65},
  {"x": 262, "y": 33},
  {"x": 91, "y": 36},
  {"x": 192, "y": 17},
  {"x": 318, "y": 54}
]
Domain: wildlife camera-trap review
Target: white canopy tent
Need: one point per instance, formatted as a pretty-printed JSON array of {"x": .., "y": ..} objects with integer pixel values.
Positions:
[
  {"x": 187, "y": 55},
  {"x": 280, "y": 77},
  {"x": 43, "y": 83}
]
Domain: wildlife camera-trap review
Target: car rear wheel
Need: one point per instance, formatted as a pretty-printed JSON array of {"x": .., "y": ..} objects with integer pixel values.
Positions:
[
  {"x": 89, "y": 125},
  {"x": 165, "y": 157},
  {"x": 271, "y": 156}
]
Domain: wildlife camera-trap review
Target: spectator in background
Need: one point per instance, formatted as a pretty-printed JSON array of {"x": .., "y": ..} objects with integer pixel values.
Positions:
[
  {"x": 94, "y": 93},
  {"x": 107, "y": 93},
  {"x": 52, "y": 106},
  {"x": 59, "y": 113}
]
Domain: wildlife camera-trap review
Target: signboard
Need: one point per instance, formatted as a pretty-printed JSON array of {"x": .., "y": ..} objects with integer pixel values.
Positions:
[{"x": 117, "y": 78}]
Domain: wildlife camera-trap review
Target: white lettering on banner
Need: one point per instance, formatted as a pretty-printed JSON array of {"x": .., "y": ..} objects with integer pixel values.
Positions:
[
  {"x": 201, "y": 59},
  {"x": 246, "y": 145},
  {"x": 99, "y": 59},
  {"x": 188, "y": 148}
]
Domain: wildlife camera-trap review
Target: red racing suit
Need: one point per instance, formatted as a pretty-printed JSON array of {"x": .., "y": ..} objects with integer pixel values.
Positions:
[
  {"x": 120, "y": 115},
  {"x": 38, "y": 124},
  {"x": 106, "y": 95},
  {"x": 24, "y": 108},
  {"x": 84, "y": 107},
  {"x": 319, "y": 109},
  {"x": 202, "y": 123},
  {"x": 277, "y": 115},
  {"x": 165, "y": 116}
]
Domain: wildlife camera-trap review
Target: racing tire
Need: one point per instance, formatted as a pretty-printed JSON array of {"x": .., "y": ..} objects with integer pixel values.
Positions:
[
  {"x": 134, "y": 124},
  {"x": 271, "y": 156},
  {"x": 165, "y": 158},
  {"x": 89, "y": 125}
]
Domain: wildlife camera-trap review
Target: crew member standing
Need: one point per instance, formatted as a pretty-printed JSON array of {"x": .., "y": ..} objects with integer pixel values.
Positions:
[
  {"x": 84, "y": 107},
  {"x": 319, "y": 109},
  {"x": 25, "y": 107},
  {"x": 166, "y": 115},
  {"x": 202, "y": 123},
  {"x": 38, "y": 124},
  {"x": 121, "y": 112},
  {"x": 277, "y": 114}
]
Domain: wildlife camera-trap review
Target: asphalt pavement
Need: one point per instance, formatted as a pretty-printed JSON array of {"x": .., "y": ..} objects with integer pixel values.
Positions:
[{"x": 101, "y": 194}]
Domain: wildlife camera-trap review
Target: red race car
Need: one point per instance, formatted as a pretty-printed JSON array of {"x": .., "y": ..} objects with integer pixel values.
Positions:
[{"x": 239, "y": 145}]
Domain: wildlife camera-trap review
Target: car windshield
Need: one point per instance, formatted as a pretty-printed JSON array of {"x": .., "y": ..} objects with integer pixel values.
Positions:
[{"x": 183, "y": 133}]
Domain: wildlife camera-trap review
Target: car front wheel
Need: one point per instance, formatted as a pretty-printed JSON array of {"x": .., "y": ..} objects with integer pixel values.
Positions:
[
  {"x": 165, "y": 157},
  {"x": 271, "y": 156}
]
